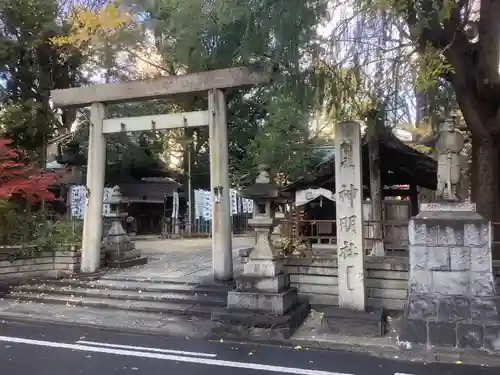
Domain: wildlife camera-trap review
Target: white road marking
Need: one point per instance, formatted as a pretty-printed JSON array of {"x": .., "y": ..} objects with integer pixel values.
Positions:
[
  {"x": 202, "y": 361},
  {"x": 401, "y": 373},
  {"x": 142, "y": 348}
]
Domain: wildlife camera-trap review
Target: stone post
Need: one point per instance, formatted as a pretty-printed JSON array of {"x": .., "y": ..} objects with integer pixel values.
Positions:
[
  {"x": 222, "y": 254},
  {"x": 96, "y": 163},
  {"x": 349, "y": 193}
]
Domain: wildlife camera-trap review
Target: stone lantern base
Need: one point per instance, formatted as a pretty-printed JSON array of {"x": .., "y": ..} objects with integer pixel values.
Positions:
[
  {"x": 263, "y": 304},
  {"x": 120, "y": 250}
]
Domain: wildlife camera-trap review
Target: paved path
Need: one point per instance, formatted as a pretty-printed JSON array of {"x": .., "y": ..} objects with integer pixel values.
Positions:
[
  {"x": 180, "y": 258},
  {"x": 57, "y": 350}
]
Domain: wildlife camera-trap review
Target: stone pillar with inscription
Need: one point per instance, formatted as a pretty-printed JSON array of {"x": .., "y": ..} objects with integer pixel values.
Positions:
[
  {"x": 348, "y": 186},
  {"x": 452, "y": 299},
  {"x": 352, "y": 317}
]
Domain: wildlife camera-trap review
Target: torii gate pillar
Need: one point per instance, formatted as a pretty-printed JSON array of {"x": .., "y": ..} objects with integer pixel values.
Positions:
[
  {"x": 222, "y": 254},
  {"x": 96, "y": 166}
]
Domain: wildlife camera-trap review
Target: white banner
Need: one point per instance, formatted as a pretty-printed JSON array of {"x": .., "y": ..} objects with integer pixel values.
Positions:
[
  {"x": 198, "y": 203},
  {"x": 106, "y": 208},
  {"x": 234, "y": 202},
  {"x": 78, "y": 201},
  {"x": 207, "y": 205},
  {"x": 249, "y": 206},
  {"x": 175, "y": 205}
]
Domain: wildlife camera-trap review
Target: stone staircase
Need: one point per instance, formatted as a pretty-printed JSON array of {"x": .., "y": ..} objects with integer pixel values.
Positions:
[{"x": 167, "y": 296}]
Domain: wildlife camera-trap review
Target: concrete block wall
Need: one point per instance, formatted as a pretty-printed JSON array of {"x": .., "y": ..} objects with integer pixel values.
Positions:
[
  {"x": 386, "y": 281},
  {"x": 39, "y": 264},
  {"x": 317, "y": 279}
]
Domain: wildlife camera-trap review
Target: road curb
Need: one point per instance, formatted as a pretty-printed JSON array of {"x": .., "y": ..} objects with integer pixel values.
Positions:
[{"x": 416, "y": 354}]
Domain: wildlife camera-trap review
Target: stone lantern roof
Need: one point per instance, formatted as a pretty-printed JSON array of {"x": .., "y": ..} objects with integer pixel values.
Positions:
[
  {"x": 263, "y": 188},
  {"x": 116, "y": 197}
]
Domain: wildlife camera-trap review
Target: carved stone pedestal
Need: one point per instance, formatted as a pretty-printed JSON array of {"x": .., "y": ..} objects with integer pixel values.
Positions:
[
  {"x": 452, "y": 299},
  {"x": 263, "y": 287},
  {"x": 120, "y": 250}
]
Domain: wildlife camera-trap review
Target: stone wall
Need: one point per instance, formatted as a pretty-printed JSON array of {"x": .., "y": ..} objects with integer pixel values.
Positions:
[
  {"x": 39, "y": 264},
  {"x": 387, "y": 279},
  {"x": 452, "y": 297}
]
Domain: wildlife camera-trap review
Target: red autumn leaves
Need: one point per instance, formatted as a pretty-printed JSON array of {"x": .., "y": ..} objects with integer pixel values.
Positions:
[{"x": 19, "y": 179}]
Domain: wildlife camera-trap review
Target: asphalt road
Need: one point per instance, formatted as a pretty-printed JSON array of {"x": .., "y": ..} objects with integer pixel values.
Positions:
[{"x": 26, "y": 348}]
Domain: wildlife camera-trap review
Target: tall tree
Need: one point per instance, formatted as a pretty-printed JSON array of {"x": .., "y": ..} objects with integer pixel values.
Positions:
[
  {"x": 196, "y": 35},
  {"x": 30, "y": 66},
  {"x": 459, "y": 41}
]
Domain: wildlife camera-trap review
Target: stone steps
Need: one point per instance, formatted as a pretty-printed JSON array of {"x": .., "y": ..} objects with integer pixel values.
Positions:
[
  {"x": 130, "y": 305},
  {"x": 164, "y": 296},
  {"x": 127, "y": 295},
  {"x": 138, "y": 285}
]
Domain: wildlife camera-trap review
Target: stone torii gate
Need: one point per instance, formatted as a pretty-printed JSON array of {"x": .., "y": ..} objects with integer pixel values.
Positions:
[{"x": 98, "y": 96}]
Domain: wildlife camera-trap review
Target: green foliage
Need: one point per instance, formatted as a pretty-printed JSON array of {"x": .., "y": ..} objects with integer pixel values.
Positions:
[
  {"x": 338, "y": 92},
  {"x": 65, "y": 232},
  {"x": 128, "y": 156},
  {"x": 193, "y": 35},
  {"x": 431, "y": 66},
  {"x": 283, "y": 142},
  {"x": 30, "y": 67},
  {"x": 27, "y": 229}
]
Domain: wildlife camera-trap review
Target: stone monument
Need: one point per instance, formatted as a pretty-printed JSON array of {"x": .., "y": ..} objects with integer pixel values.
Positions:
[
  {"x": 120, "y": 250},
  {"x": 263, "y": 303},
  {"x": 452, "y": 299},
  {"x": 352, "y": 318}
]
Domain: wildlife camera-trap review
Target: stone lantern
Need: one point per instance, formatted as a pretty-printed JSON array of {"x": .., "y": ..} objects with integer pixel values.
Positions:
[
  {"x": 70, "y": 154},
  {"x": 120, "y": 250},
  {"x": 266, "y": 196},
  {"x": 264, "y": 289},
  {"x": 73, "y": 160}
]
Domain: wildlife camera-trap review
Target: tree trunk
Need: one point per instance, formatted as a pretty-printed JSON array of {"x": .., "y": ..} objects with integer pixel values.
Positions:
[
  {"x": 376, "y": 197},
  {"x": 485, "y": 183},
  {"x": 486, "y": 180},
  {"x": 474, "y": 175}
]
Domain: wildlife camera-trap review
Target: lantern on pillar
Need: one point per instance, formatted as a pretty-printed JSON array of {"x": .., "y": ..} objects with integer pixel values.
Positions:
[
  {"x": 264, "y": 286},
  {"x": 266, "y": 196}
]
